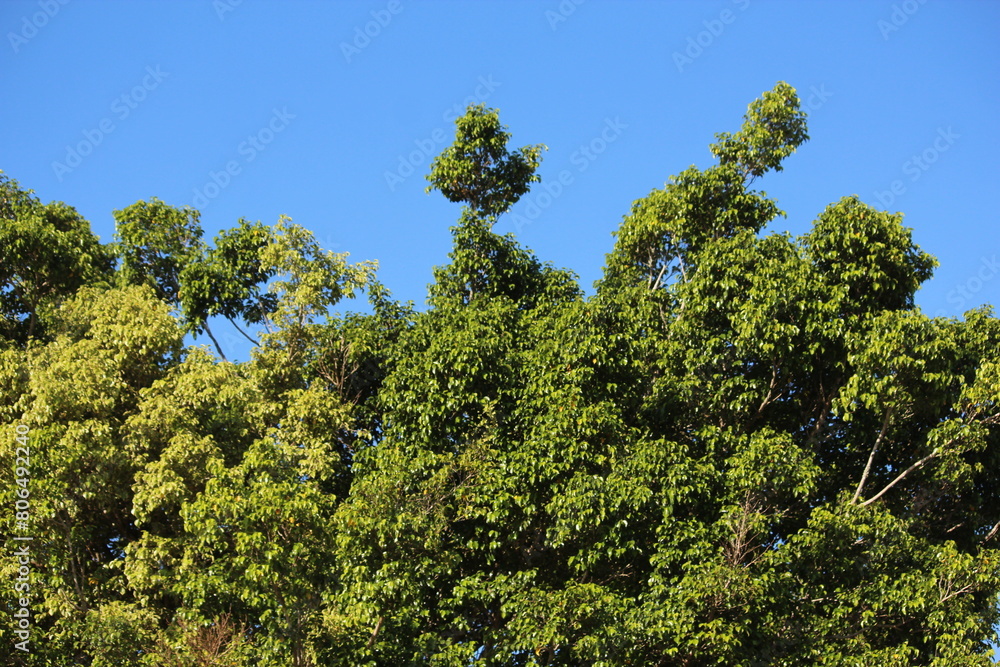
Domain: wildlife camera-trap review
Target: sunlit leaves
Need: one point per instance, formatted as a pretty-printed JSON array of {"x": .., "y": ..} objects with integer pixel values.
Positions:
[
  {"x": 870, "y": 253},
  {"x": 479, "y": 170},
  {"x": 774, "y": 126},
  {"x": 155, "y": 242},
  {"x": 49, "y": 252}
]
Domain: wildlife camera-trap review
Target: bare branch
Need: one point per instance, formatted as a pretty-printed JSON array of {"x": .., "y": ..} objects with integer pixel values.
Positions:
[
  {"x": 871, "y": 456},
  {"x": 770, "y": 390},
  {"x": 656, "y": 284},
  {"x": 903, "y": 474},
  {"x": 993, "y": 531},
  {"x": 947, "y": 596},
  {"x": 245, "y": 334},
  {"x": 217, "y": 346},
  {"x": 378, "y": 626},
  {"x": 264, "y": 317}
]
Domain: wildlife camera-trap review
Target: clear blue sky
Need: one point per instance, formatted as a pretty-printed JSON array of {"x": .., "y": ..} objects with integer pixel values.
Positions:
[{"x": 107, "y": 103}]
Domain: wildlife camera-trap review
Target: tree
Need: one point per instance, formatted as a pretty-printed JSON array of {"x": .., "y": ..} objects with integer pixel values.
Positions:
[
  {"x": 479, "y": 170},
  {"x": 72, "y": 396},
  {"x": 49, "y": 253},
  {"x": 245, "y": 464},
  {"x": 227, "y": 280},
  {"x": 744, "y": 449},
  {"x": 155, "y": 244}
]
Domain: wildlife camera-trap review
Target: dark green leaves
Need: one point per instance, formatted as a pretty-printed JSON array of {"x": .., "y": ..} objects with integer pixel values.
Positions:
[
  {"x": 48, "y": 253},
  {"x": 229, "y": 278}
]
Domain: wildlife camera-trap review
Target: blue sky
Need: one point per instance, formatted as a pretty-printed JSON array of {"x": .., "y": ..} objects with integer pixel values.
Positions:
[{"x": 331, "y": 113}]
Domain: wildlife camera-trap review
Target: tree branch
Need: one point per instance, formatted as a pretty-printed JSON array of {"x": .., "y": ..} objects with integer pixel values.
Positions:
[
  {"x": 264, "y": 318},
  {"x": 656, "y": 284},
  {"x": 680, "y": 263},
  {"x": 378, "y": 626},
  {"x": 208, "y": 330},
  {"x": 245, "y": 334},
  {"x": 903, "y": 474},
  {"x": 993, "y": 531},
  {"x": 950, "y": 594},
  {"x": 871, "y": 456},
  {"x": 770, "y": 390},
  {"x": 820, "y": 419}
]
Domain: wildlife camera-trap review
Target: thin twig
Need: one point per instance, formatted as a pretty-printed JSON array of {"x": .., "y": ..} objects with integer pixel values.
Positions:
[
  {"x": 217, "y": 346},
  {"x": 770, "y": 390},
  {"x": 245, "y": 334}
]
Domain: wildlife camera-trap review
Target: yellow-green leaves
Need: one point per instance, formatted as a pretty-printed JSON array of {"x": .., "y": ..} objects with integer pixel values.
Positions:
[
  {"x": 479, "y": 170},
  {"x": 774, "y": 126},
  {"x": 870, "y": 254}
]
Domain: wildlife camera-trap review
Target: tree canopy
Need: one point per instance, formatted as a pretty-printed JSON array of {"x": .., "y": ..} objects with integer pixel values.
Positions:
[{"x": 741, "y": 449}]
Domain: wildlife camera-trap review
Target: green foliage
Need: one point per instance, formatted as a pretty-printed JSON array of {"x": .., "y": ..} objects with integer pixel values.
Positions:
[
  {"x": 773, "y": 128},
  {"x": 869, "y": 253},
  {"x": 489, "y": 266},
  {"x": 662, "y": 238},
  {"x": 155, "y": 243},
  {"x": 227, "y": 279},
  {"x": 479, "y": 170},
  {"x": 745, "y": 449},
  {"x": 48, "y": 253},
  {"x": 77, "y": 391}
]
